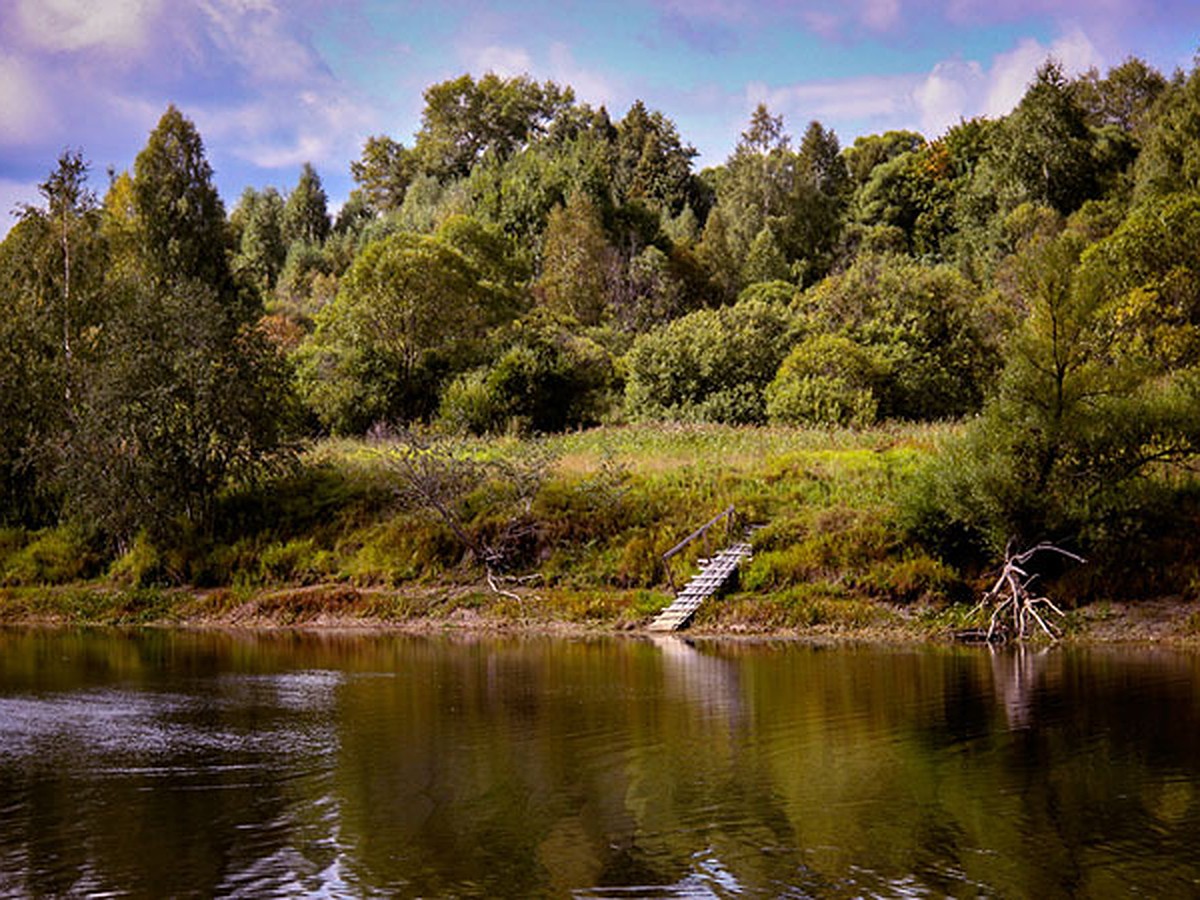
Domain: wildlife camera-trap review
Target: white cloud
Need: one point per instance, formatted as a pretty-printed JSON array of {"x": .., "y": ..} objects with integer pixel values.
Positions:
[
  {"x": 590, "y": 86},
  {"x": 957, "y": 89},
  {"x": 72, "y": 25},
  {"x": 507, "y": 62},
  {"x": 325, "y": 129},
  {"x": 952, "y": 91},
  {"x": 854, "y": 98},
  {"x": 12, "y": 195},
  {"x": 254, "y": 34},
  {"x": 25, "y": 111}
]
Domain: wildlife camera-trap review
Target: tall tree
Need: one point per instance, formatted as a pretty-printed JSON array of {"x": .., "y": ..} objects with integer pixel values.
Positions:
[
  {"x": 757, "y": 180},
  {"x": 1170, "y": 157},
  {"x": 653, "y": 165},
  {"x": 261, "y": 250},
  {"x": 181, "y": 218},
  {"x": 463, "y": 120},
  {"x": 1123, "y": 97},
  {"x": 305, "y": 215},
  {"x": 1043, "y": 151},
  {"x": 72, "y": 252},
  {"x": 410, "y": 311},
  {"x": 820, "y": 192},
  {"x": 383, "y": 172},
  {"x": 577, "y": 262}
]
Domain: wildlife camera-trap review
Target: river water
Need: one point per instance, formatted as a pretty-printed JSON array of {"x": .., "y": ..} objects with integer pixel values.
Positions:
[{"x": 177, "y": 763}]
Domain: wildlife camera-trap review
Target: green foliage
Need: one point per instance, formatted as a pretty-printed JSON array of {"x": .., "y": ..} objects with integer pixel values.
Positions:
[
  {"x": 383, "y": 172},
  {"x": 305, "y": 217},
  {"x": 181, "y": 219},
  {"x": 913, "y": 193},
  {"x": 1170, "y": 158},
  {"x": 708, "y": 366},
  {"x": 1123, "y": 97},
  {"x": 547, "y": 380},
  {"x": 870, "y": 151},
  {"x": 577, "y": 262},
  {"x": 465, "y": 120},
  {"x": 764, "y": 260},
  {"x": 410, "y": 310},
  {"x": 1043, "y": 150},
  {"x": 652, "y": 164},
  {"x": 181, "y": 400},
  {"x": 933, "y": 341},
  {"x": 826, "y": 380},
  {"x": 1091, "y": 402},
  {"x": 257, "y": 223},
  {"x": 50, "y": 556}
]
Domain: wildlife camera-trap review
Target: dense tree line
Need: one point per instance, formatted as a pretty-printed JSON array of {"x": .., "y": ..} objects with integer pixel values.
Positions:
[{"x": 529, "y": 264}]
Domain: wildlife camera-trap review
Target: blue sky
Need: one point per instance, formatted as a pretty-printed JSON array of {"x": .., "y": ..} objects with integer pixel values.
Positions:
[{"x": 272, "y": 84}]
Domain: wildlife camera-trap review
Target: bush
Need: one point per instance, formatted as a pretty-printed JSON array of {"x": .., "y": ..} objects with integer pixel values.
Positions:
[
  {"x": 52, "y": 556},
  {"x": 826, "y": 380},
  {"x": 548, "y": 381},
  {"x": 934, "y": 337},
  {"x": 709, "y": 366}
]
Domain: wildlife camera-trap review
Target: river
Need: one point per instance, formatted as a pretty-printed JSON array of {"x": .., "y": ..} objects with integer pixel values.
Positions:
[{"x": 191, "y": 763}]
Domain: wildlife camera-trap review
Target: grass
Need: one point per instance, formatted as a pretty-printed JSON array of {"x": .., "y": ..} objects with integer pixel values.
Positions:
[{"x": 337, "y": 536}]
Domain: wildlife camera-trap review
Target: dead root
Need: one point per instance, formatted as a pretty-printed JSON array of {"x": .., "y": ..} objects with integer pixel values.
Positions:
[{"x": 1016, "y": 608}]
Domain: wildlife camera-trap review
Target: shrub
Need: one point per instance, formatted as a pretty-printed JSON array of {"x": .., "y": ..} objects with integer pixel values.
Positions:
[
  {"x": 826, "y": 380},
  {"x": 709, "y": 366},
  {"x": 52, "y": 556}
]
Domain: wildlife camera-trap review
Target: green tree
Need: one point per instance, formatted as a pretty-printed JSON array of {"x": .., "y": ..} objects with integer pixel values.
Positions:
[
  {"x": 1092, "y": 399},
  {"x": 757, "y": 180},
  {"x": 181, "y": 220},
  {"x": 827, "y": 379},
  {"x": 577, "y": 262},
  {"x": 52, "y": 265},
  {"x": 718, "y": 258},
  {"x": 465, "y": 120},
  {"x": 547, "y": 379},
  {"x": 182, "y": 401},
  {"x": 383, "y": 172},
  {"x": 1123, "y": 97},
  {"x": 710, "y": 365},
  {"x": 870, "y": 151},
  {"x": 1043, "y": 151},
  {"x": 811, "y": 224},
  {"x": 934, "y": 337},
  {"x": 652, "y": 164},
  {"x": 258, "y": 229},
  {"x": 652, "y": 293},
  {"x": 410, "y": 311},
  {"x": 1170, "y": 157},
  {"x": 305, "y": 215},
  {"x": 765, "y": 261}
]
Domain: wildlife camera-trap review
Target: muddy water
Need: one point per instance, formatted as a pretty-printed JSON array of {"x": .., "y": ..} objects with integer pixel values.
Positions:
[{"x": 169, "y": 763}]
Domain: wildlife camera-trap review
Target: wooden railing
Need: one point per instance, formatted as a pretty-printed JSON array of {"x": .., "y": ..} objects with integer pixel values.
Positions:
[{"x": 701, "y": 532}]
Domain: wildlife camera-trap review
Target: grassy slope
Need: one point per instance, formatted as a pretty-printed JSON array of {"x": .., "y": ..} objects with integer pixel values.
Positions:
[{"x": 334, "y": 543}]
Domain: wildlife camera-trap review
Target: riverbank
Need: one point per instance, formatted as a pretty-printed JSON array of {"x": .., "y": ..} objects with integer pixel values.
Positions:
[
  {"x": 1166, "y": 621},
  {"x": 371, "y": 534}
]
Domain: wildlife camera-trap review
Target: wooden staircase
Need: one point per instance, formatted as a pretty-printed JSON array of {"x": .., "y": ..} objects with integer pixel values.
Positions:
[{"x": 715, "y": 572}]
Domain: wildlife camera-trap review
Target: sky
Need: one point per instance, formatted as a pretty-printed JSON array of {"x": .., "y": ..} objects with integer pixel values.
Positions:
[{"x": 272, "y": 84}]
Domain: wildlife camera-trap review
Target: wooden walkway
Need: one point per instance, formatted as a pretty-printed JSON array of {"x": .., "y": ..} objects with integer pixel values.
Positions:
[{"x": 713, "y": 576}]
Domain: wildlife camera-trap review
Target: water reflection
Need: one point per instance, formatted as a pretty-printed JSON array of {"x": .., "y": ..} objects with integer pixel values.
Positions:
[{"x": 161, "y": 763}]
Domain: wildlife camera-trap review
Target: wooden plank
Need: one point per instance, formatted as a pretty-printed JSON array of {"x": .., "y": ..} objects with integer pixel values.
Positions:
[{"x": 715, "y": 573}]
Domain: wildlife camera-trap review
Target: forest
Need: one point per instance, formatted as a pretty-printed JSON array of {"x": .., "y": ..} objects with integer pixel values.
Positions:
[{"x": 174, "y": 375}]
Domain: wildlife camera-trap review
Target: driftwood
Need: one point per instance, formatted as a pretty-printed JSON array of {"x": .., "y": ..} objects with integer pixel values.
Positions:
[{"x": 1015, "y": 607}]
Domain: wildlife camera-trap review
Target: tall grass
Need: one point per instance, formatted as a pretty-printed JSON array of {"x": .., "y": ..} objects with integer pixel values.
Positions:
[{"x": 610, "y": 502}]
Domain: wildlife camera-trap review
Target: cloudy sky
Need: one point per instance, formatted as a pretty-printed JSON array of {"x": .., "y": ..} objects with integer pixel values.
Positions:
[{"x": 274, "y": 83}]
